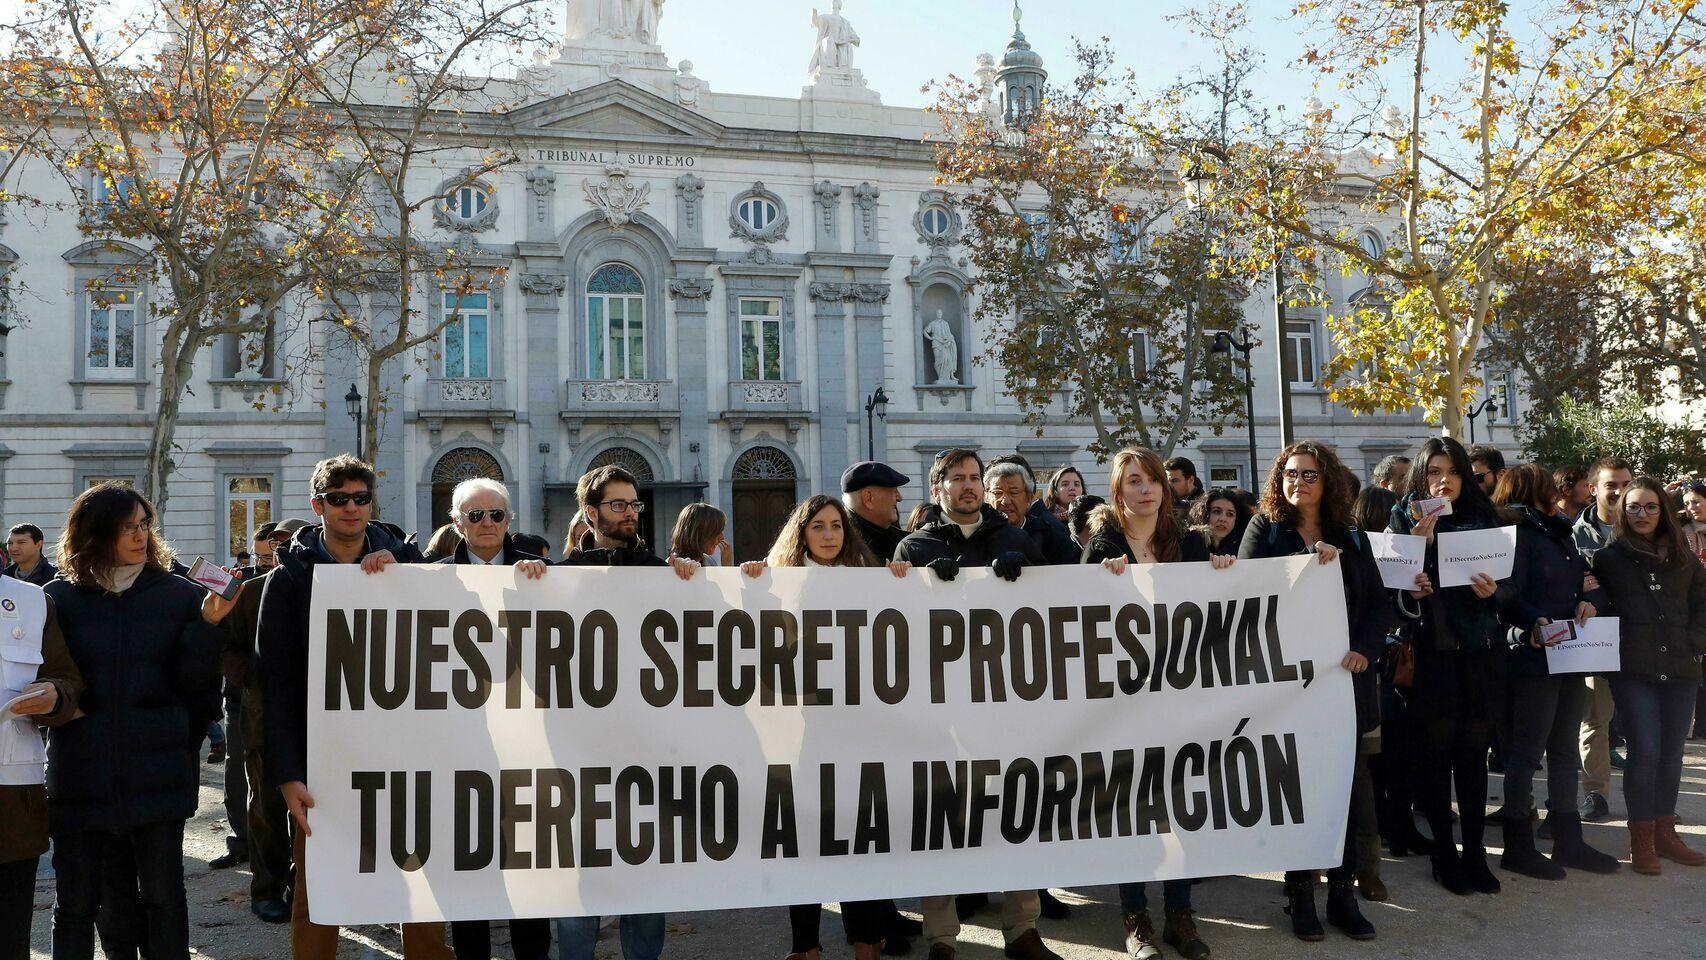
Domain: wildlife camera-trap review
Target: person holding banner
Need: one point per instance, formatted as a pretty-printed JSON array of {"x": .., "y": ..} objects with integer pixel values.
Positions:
[
  {"x": 1549, "y": 583},
  {"x": 610, "y": 501},
  {"x": 966, "y": 532},
  {"x": 480, "y": 510},
  {"x": 820, "y": 533},
  {"x": 123, "y": 776},
  {"x": 1658, "y": 592},
  {"x": 1458, "y": 690},
  {"x": 1140, "y": 525},
  {"x": 342, "y": 497},
  {"x": 1306, "y": 506}
]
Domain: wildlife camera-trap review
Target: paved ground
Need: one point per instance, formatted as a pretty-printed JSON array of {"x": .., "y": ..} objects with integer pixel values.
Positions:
[{"x": 1622, "y": 916}]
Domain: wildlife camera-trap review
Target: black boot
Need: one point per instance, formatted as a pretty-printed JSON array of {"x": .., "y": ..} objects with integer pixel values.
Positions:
[
  {"x": 968, "y": 904},
  {"x": 1448, "y": 870},
  {"x": 1053, "y": 908},
  {"x": 1300, "y": 906},
  {"x": 1569, "y": 849},
  {"x": 1342, "y": 909},
  {"x": 1520, "y": 855},
  {"x": 1476, "y": 871}
]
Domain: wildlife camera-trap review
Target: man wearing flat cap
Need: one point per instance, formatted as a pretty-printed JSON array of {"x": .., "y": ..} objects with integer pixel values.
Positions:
[{"x": 871, "y": 492}]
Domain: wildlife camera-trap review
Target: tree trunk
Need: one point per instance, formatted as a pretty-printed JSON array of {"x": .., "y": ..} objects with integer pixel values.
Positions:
[
  {"x": 371, "y": 420},
  {"x": 177, "y": 350}
]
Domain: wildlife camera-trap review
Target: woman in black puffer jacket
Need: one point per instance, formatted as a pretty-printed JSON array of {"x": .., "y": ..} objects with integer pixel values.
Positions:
[
  {"x": 1550, "y": 582},
  {"x": 123, "y": 777},
  {"x": 1658, "y": 591},
  {"x": 1458, "y": 692}
]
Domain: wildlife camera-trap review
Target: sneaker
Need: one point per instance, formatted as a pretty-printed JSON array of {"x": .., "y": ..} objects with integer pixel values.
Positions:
[
  {"x": 1593, "y": 808},
  {"x": 1140, "y": 937},
  {"x": 1617, "y": 761}
]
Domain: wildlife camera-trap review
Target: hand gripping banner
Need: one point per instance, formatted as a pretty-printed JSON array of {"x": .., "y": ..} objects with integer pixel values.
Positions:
[{"x": 609, "y": 741}]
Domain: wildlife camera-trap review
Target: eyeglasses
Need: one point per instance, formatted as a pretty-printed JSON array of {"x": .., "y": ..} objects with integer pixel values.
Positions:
[
  {"x": 1640, "y": 509},
  {"x": 129, "y": 529},
  {"x": 623, "y": 506},
  {"x": 477, "y": 516},
  {"x": 1303, "y": 476},
  {"x": 341, "y": 499}
]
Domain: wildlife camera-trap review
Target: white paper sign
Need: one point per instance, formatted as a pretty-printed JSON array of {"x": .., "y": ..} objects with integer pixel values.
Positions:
[
  {"x": 614, "y": 740},
  {"x": 1597, "y": 648},
  {"x": 1401, "y": 558},
  {"x": 1464, "y": 553}
]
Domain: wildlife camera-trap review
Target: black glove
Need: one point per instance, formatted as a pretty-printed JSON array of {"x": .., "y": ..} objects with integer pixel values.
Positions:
[
  {"x": 945, "y": 568},
  {"x": 1008, "y": 565}
]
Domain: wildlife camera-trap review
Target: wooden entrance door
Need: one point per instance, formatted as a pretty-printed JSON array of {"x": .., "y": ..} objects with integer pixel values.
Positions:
[{"x": 761, "y": 507}]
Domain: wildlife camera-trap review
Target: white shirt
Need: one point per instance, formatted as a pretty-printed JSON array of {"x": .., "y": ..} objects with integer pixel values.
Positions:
[{"x": 496, "y": 561}]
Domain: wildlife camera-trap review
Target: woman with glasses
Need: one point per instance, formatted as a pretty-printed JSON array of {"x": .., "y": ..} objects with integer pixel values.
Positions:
[
  {"x": 820, "y": 533},
  {"x": 1658, "y": 592},
  {"x": 1221, "y": 517},
  {"x": 1549, "y": 583},
  {"x": 122, "y": 778},
  {"x": 479, "y": 510},
  {"x": 1458, "y": 691},
  {"x": 1306, "y": 508}
]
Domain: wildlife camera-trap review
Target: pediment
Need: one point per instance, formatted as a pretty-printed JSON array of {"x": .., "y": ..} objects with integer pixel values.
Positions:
[{"x": 615, "y": 108}]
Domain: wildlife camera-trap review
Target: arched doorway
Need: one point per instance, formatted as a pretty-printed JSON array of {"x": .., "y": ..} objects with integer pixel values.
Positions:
[
  {"x": 462, "y": 463},
  {"x": 763, "y": 497},
  {"x": 635, "y": 463}
]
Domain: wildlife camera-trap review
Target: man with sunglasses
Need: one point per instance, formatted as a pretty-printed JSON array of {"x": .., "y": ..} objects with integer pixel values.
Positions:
[
  {"x": 1488, "y": 464},
  {"x": 343, "y": 500}
]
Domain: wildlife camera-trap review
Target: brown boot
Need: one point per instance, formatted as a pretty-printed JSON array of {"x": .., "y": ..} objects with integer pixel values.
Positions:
[
  {"x": 1372, "y": 888},
  {"x": 1667, "y": 844},
  {"x": 867, "y": 951},
  {"x": 1642, "y": 856}
]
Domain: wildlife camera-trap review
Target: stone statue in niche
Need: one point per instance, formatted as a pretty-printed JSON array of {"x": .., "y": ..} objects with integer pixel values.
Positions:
[
  {"x": 835, "y": 40},
  {"x": 944, "y": 349}
]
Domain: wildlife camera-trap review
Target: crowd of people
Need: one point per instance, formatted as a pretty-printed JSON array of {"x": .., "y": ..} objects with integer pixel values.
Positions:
[{"x": 124, "y": 663}]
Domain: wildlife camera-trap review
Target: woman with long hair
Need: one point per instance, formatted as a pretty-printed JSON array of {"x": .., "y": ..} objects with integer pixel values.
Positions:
[
  {"x": 1458, "y": 690},
  {"x": 123, "y": 778},
  {"x": 1693, "y": 517},
  {"x": 1550, "y": 582},
  {"x": 698, "y": 534},
  {"x": 1306, "y": 508},
  {"x": 1065, "y": 486},
  {"x": 1138, "y": 524},
  {"x": 1658, "y": 592},
  {"x": 819, "y": 533},
  {"x": 1220, "y": 516}
]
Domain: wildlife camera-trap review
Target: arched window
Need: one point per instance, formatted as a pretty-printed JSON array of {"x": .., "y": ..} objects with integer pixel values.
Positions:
[
  {"x": 1372, "y": 244},
  {"x": 468, "y": 202},
  {"x": 757, "y": 213},
  {"x": 615, "y": 324},
  {"x": 936, "y": 221},
  {"x": 764, "y": 463},
  {"x": 627, "y": 459}
]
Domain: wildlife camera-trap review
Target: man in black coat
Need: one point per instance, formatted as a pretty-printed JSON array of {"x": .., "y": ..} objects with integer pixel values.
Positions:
[
  {"x": 966, "y": 532},
  {"x": 343, "y": 500},
  {"x": 871, "y": 493},
  {"x": 24, "y": 546},
  {"x": 610, "y": 499},
  {"x": 1012, "y": 489}
]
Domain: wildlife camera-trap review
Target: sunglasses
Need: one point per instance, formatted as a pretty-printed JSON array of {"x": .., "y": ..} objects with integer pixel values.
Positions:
[
  {"x": 1480, "y": 478},
  {"x": 341, "y": 499},
  {"x": 476, "y": 516},
  {"x": 1303, "y": 476}
]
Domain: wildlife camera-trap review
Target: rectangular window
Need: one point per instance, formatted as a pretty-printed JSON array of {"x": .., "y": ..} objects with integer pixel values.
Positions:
[
  {"x": 760, "y": 338},
  {"x": 1501, "y": 386},
  {"x": 466, "y": 347},
  {"x": 616, "y": 337},
  {"x": 119, "y": 187},
  {"x": 1300, "y": 352},
  {"x": 1125, "y": 244},
  {"x": 1142, "y": 354},
  {"x": 248, "y": 506},
  {"x": 1037, "y": 245},
  {"x": 112, "y": 335},
  {"x": 95, "y": 480},
  {"x": 1225, "y": 476}
]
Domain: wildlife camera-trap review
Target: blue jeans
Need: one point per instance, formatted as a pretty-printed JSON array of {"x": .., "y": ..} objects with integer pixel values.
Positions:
[
  {"x": 642, "y": 936},
  {"x": 1656, "y": 717},
  {"x": 1175, "y": 895}
]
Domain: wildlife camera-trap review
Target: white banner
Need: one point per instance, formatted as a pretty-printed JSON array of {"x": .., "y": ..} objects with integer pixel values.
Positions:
[{"x": 608, "y": 741}]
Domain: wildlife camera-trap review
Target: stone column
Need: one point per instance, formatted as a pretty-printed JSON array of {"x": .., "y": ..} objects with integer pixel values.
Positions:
[
  {"x": 691, "y": 293},
  {"x": 829, "y": 302},
  {"x": 870, "y": 304},
  {"x": 541, "y": 293}
]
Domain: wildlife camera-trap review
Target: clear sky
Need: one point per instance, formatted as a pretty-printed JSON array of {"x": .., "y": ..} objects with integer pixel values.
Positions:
[{"x": 763, "y": 46}]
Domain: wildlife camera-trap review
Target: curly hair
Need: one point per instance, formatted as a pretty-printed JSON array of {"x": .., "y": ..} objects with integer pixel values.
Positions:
[
  {"x": 1201, "y": 507},
  {"x": 790, "y": 549},
  {"x": 1335, "y": 490},
  {"x": 87, "y": 546},
  {"x": 1165, "y": 542}
]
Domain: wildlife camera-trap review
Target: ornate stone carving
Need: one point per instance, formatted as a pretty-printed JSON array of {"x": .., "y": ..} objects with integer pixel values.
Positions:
[
  {"x": 483, "y": 219},
  {"x": 544, "y": 284},
  {"x": 937, "y": 220},
  {"x": 764, "y": 463},
  {"x": 827, "y": 196},
  {"x": 466, "y": 463},
  {"x": 692, "y": 190},
  {"x": 826, "y": 292},
  {"x": 617, "y": 197},
  {"x": 687, "y": 86},
  {"x": 541, "y": 185},
  {"x": 775, "y": 230},
  {"x": 865, "y": 200},
  {"x": 758, "y": 391},
  {"x": 691, "y": 288},
  {"x": 465, "y": 390},
  {"x": 871, "y": 292},
  {"x": 621, "y": 391}
]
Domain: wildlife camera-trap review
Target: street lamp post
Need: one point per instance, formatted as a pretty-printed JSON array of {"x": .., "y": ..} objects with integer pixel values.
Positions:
[
  {"x": 1223, "y": 343},
  {"x": 1488, "y": 406},
  {"x": 352, "y": 402},
  {"x": 876, "y": 408}
]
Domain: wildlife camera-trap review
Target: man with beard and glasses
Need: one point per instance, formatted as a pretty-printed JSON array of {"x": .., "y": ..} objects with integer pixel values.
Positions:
[{"x": 610, "y": 501}]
